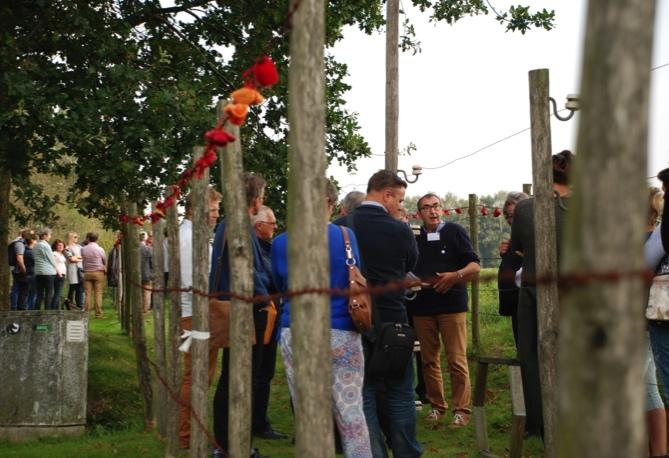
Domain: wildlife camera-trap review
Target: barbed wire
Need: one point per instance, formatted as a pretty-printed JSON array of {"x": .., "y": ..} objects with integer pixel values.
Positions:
[{"x": 567, "y": 280}]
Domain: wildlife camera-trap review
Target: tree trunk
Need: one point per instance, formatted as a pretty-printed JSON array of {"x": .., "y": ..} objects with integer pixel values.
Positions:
[
  {"x": 240, "y": 258},
  {"x": 545, "y": 254},
  {"x": 310, "y": 313},
  {"x": 158, "y": 297},
  {"x": 601, "y": 354},
  {"x": 5, "y": 273},
  {"x": 173, "y": 330},
  {"x": 392, "y": 84},
  {"x": 138, "y": 336},
  {"x": 474, "y": 235},
  {"x": 199, "y": 444}
]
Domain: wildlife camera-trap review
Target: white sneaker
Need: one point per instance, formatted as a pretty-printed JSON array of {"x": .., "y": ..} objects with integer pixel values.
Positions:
[
  {"x": 459, "y": 420},
  {"x": 434, "y": 416}
]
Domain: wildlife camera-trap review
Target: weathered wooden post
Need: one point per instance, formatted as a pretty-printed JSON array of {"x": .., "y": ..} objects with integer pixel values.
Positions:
[
  {"x": 310, "y": 313},
  {"x": 173, "y": 329},
  {"x": 158, "y": 282},
  {"x": 138, "y": 337},
  {"x": 474, "y": 235},
  {"x": 527, "y": 188},
  {"x": 392, "y": 83},
  {"x": 240, "y": 256},
  {"x": 5, "y": 273},
  {"x": 199, "y": 445},
  {"x": 546, "y": 252},
  {"x": 125, "y": 314},
  {"x": 601, "y": 346}
]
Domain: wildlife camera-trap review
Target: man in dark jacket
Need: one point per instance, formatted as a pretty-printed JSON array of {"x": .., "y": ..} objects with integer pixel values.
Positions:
[
  {"x": 446, "y": 261},
  {"x": 388, "y": 252}
]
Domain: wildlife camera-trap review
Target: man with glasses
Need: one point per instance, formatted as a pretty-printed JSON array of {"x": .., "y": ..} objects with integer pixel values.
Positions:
[
  {"x": 264, "y": 225},
  {"x": 446, "y": 261}
]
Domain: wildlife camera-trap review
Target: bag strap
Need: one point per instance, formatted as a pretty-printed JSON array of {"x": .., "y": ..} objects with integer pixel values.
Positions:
[
  {"x": 350, "y": 260},
  {"x": 219, "y": 261}
]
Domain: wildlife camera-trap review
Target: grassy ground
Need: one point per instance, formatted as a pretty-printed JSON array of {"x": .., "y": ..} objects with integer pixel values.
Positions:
[{"x": 114, "y": 404}]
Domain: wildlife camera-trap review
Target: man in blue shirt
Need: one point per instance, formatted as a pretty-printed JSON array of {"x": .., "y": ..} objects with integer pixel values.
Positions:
[{"x": 220, "y": 281}]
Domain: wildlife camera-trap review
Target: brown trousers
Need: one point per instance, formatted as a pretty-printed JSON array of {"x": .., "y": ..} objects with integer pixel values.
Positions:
[
  {"x": 452, "y": 327},
  {"x": 94, "y": 281}
]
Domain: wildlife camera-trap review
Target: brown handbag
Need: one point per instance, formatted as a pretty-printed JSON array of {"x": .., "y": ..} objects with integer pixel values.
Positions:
[
  {"x": 359, "y": 299},
  {"x": 219, "y": 310}
]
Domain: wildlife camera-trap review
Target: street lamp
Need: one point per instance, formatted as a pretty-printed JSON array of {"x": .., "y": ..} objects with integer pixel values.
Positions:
[
  {"x": 572, "y": 105},
  {"x": 416, "y": 171}
]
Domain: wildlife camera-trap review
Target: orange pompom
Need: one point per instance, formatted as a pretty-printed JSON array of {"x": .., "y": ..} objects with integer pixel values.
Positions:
[
  {"x": 237, "y": 113},
  {"x": 247, "y": 96}
]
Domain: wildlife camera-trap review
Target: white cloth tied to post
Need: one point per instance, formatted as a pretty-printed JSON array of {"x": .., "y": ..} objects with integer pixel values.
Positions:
[{"x": 189, "y": 336}]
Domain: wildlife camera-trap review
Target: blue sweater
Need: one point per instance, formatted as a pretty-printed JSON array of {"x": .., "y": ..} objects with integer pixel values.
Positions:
[
  {"x": 339, "y": 316},
  {"x": 260, "y": 276}
]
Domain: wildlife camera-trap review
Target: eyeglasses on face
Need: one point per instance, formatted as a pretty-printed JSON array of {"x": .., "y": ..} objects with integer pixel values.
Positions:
[{"x": 426, "y": 208}]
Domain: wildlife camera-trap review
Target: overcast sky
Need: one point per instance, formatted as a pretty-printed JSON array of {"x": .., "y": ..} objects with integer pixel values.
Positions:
[{"x": 469, "y": 88}]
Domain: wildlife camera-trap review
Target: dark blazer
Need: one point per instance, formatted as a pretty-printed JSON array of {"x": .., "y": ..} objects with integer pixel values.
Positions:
[{"x": 388, "y": 251}]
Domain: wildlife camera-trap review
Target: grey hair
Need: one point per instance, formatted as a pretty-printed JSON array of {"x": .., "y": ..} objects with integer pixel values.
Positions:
[
  {"x": 514, "y": 197},
  {"x": 261, "y": 215},
  {"x": 43, "y": 232},
  {"x": 352, "y": 200}
]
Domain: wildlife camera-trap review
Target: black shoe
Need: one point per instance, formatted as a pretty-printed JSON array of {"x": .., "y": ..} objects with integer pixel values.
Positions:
[
  {"x": 255, "y": 453},
  {"x": 271, "y": 434}
]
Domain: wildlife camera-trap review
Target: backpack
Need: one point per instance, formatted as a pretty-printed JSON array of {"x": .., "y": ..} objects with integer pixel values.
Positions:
[{"x": 11, "y": 253}]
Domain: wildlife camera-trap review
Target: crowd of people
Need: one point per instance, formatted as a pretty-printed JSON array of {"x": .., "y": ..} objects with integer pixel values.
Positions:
[
  {"x": 40, "y": 269},
  {"x": 373, "y": 414}
]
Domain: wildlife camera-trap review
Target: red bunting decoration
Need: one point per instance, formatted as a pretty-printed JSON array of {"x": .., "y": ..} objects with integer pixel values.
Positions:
[
  {"x": 458, "y": 211},
  {"x": 484, "y": 211},
  {"x": 447, "y": 212},
  {"x": 496, "y": 212},
  {"x": 262, "y": 73}
]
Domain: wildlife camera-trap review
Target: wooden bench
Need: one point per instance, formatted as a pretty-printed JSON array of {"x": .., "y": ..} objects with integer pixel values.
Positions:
[{"x": 517, "y": 406}]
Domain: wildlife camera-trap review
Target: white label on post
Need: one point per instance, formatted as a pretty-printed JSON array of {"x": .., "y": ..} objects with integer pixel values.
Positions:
[{"x": 75, "y": 331}]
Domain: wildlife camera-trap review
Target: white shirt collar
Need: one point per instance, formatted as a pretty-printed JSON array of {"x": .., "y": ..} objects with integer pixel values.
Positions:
[{"x": 374, "y": 203}]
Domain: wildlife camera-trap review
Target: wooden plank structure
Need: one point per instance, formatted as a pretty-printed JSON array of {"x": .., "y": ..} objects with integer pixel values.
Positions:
[
  {"x": 158, "y": 298},
  {"x": 517, "y": 407}
]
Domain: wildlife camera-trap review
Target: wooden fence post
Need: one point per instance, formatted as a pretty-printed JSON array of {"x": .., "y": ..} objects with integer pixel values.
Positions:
[
  {"x": 158, "y": 282},
  {"x": 5, "y": 271},
  {"x": 392, "y": 84},
  {"x": 310, "y": 313},
  {"x": 474, "y": 235},
  {"x": 603, "y": 330},
  {"x": 240, "y": 258},
  {"x": 125, "y": 308},
  {"x": 527, "y": 188},
  {"x": 546, "y": 252},
  {"x": 138, "y": 337},
  {"x": 199, "y": 444},
  {"x": 174, "y": 326}
]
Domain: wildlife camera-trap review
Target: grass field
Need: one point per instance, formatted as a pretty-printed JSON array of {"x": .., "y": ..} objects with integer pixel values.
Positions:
[{"x": 114, "y": 404}]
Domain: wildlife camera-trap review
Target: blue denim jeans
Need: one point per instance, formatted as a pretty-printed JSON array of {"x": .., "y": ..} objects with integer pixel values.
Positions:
[
  {"x": 58, "y": 284},
  {"x": 659, "y": 341},
  {"x": 401, "y": 411},
  {"x": 44, "y": 291}
]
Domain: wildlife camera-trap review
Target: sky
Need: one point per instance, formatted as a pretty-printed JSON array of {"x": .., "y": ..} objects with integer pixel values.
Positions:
[{"x": 468, "y": 88}]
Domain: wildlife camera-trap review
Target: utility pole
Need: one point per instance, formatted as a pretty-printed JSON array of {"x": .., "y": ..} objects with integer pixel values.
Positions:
[{"x": 392, "y": 83}]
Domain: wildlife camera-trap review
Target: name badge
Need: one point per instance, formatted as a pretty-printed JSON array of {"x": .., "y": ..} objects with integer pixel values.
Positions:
[{"x": 433, "y": 237}]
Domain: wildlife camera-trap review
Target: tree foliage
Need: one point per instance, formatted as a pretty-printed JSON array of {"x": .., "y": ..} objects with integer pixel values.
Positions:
[{"x": 119, "y": 91}]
